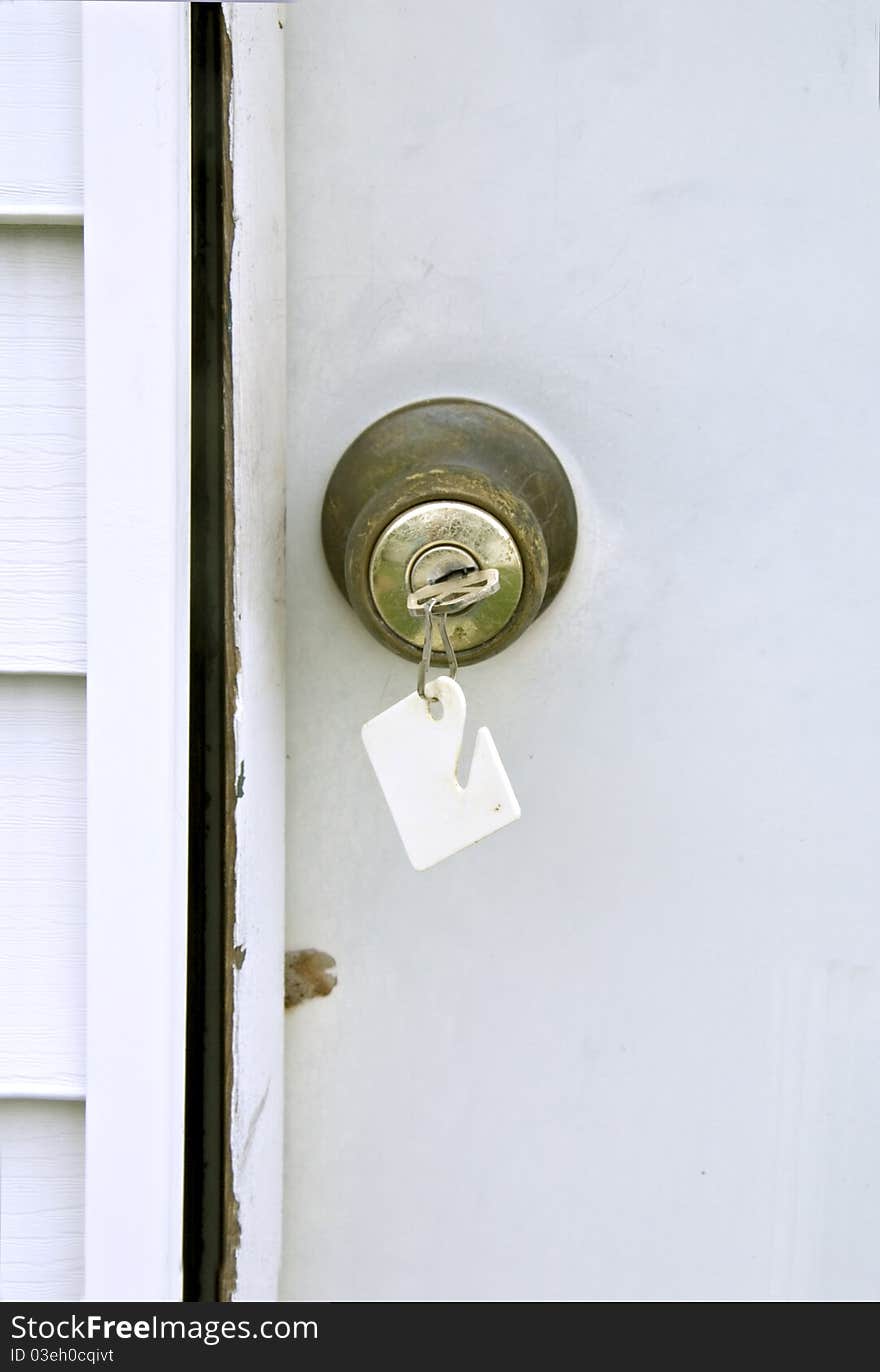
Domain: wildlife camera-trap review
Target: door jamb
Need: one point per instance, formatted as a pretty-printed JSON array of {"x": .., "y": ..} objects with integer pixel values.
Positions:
[{"x": 255, "y": 952}]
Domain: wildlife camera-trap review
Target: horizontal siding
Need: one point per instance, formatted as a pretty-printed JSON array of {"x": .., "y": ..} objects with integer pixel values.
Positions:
[
  {"x": 41, "y": 1201},
  {"x": 42, "y": 654},
  {"x": 42, "y": 451},
  {"x": 40, "y": 106},
  {"x": 42, "y": 886}
]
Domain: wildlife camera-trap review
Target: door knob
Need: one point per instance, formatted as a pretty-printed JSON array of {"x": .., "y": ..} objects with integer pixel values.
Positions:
[{"x": 441, "y": 488}]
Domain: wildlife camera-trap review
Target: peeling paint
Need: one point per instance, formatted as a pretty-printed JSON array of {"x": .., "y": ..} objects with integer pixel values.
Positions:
[{"x": 234, "y": 955}]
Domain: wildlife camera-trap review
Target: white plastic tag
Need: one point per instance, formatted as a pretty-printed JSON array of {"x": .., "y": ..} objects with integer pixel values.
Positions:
[{"x": 415, "y": 757}]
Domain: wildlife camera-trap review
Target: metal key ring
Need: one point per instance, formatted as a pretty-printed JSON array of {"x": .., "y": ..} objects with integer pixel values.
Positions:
[
  {"x": 427, "y": 649},
  {"x": 471, "y": 586}
]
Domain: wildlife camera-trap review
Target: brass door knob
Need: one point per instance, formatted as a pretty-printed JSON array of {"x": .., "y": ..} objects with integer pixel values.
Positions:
[{"x": 440, "y": 487}]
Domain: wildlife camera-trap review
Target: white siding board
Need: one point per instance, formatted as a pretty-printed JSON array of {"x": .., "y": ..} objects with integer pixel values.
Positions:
[
  {"x": 42, "y": 886},
  {"x": 41, "y": 1201},
  {"x": 42, "y": 635},
  {"x": 42, "y": 451},
  {"x": 40, "y": 107}
]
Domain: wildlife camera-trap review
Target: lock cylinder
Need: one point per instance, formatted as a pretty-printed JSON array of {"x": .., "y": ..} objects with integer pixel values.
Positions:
[
  {"x": 432, "y": 542},
  {"x": 442, "y": 488}
]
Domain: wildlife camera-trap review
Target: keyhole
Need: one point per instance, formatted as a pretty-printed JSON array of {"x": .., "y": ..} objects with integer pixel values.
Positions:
[{"x": 439, "y": 564}]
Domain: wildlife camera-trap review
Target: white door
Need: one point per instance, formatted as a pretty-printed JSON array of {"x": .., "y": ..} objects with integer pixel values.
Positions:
[{"x": 629, "y": 1047}]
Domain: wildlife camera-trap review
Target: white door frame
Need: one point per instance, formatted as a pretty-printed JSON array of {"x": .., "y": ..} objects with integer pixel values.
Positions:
[
  {"x": 258, "y": 295},
  {"x": 136, "y": 119},
  {"x": 137, "y": 309}
]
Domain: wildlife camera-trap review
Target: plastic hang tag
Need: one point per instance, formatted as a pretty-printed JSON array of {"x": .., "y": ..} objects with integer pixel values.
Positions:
[{"x": 415, "y": 757}]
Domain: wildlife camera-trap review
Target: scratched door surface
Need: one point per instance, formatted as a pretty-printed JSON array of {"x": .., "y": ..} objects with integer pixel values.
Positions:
[{"x": 629, "y": 1047}]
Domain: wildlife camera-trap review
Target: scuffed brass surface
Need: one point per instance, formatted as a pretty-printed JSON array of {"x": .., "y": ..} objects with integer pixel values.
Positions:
[{"x": 458, "y": 452}]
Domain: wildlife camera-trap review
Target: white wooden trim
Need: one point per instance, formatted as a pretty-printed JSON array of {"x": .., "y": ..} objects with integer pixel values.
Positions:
[
  {"x": 137, "y": 307},
  {"x": 258, "y": 295}
]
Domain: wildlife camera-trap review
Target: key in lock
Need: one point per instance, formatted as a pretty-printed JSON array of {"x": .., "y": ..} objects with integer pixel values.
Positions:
[
  {"x": 445, "y": 539},
  {"x": 438, "y": 487}
]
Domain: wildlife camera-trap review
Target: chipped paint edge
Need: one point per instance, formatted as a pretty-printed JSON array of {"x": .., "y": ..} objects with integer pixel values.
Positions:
[{"x": 256, "y": 655}]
